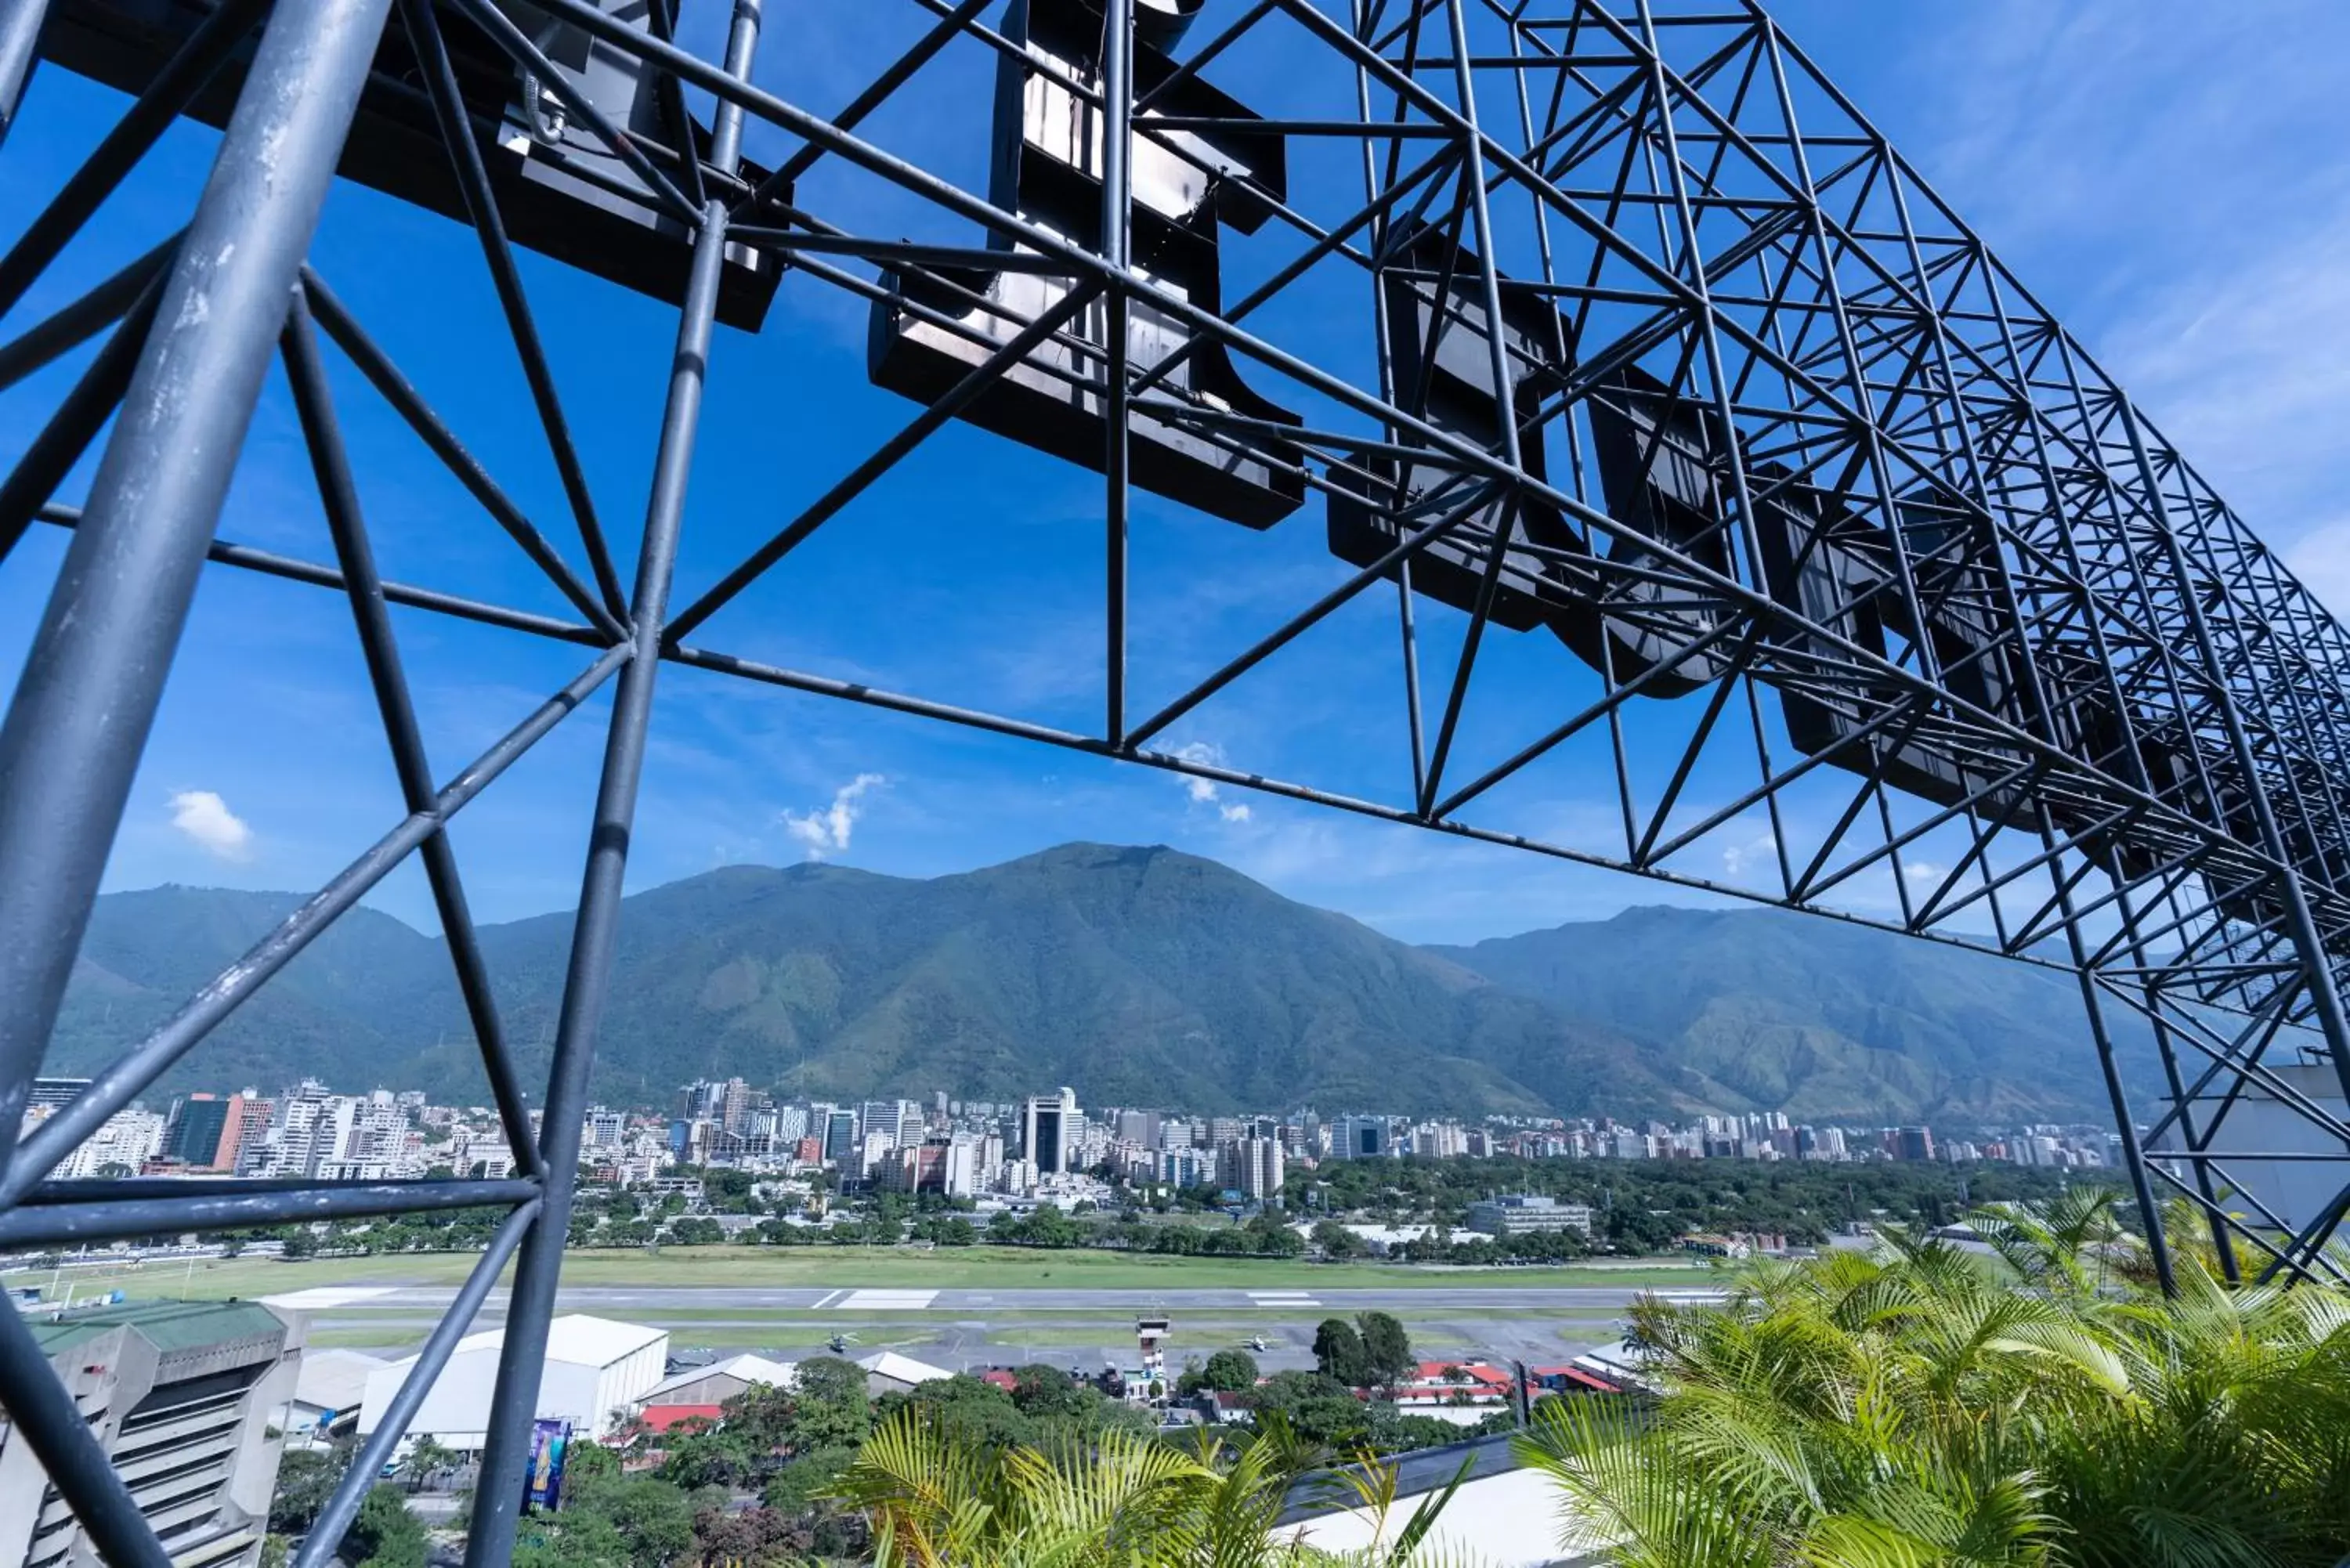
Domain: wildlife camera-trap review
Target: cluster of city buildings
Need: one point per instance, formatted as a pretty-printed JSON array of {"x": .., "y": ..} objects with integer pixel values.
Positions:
[
  {"x": 304, "y": 1130},
  {"x": 1043, "y": 1145}
]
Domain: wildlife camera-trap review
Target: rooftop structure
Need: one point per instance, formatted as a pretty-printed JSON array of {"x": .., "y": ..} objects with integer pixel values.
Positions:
[
  {"x": 595, "y": 1372},
  {"x": 181, "y": 1398}
]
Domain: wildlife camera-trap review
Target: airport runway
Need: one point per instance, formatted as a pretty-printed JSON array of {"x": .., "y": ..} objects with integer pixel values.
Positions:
[
  {"x": 1078, "y": 1328},
  {"x": 620, "y": 1300}
]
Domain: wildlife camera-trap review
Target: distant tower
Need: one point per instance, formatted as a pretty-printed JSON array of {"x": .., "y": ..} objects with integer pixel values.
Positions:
[
  {"x": 1048, "y": 1129},
  {"x": 1150, "y": 1334}
]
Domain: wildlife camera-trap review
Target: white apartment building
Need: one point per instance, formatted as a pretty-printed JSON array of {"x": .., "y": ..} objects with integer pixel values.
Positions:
[{"x": 127, "y": 1139}]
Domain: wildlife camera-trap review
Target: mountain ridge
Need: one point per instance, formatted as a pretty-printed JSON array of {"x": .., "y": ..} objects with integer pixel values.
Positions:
[{"x": 1147, "y": 974}]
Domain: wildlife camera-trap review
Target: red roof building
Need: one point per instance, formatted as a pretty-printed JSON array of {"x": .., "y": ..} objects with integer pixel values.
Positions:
[
  {"x": 1455, "y": 1383},
  {"x": 659, "y": 1418}
]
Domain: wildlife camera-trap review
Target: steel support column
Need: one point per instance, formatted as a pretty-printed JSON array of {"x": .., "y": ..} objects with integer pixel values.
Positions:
[
  {"x": 79, "y": 722},
  {"x": 20, "y": 40},
  {"x": 1117, "y": 235},
  {"x": 497, "y": 1498}
]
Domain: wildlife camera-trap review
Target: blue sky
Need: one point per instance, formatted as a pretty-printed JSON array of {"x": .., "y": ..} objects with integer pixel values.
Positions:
[{"x": 2169, "y": 179}]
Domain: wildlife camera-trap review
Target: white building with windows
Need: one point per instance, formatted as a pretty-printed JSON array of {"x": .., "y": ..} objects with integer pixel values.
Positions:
[{"x": 127, "y": 1139}]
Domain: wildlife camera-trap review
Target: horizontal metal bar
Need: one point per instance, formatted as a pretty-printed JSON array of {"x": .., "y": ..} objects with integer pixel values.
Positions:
[
  {"x": 2336, "y": 1158},
  {"x": 117, "y": 1220},
  {"x": 298, "y": 571},
  {"x": 900, "y": 253}
]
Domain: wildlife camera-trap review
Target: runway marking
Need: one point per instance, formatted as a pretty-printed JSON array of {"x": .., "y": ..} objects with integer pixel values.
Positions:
[
  {"x": 319, "y": 1298},
  {"x": 826, "y": 1300},
  {"x": 888, "y": 1300},
  {"x": 1281, "y": 1299}
]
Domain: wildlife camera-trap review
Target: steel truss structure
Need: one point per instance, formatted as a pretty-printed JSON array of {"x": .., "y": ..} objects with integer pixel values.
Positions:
[{"x": 1658, "y": 347}]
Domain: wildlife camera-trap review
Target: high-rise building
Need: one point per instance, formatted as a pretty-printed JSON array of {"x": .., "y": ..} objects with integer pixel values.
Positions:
[
  {"x": 734, "y": 1110},
  {"x": 839, "y": 1136},
  {"x": 124, "y": 1143},
  {"x": 900, "y": 1121},
  {"x": 254, "y": 1128},
  {"x": 1048, "y": 1131},
  {"x": 959, "y": 1167},
  {"x": 605, "y": 1130},
  {"x": 1253, "y": 1167},
  {"x": 1913, "y": 1143},
  {"x": 1185, "y": 1168},
  {"x": 180, "y": 1397},
  {"x": 203, "y": 1133},
  {"x": 1362, "y": 1138},
  {"x": 1139, "y": 1128}
]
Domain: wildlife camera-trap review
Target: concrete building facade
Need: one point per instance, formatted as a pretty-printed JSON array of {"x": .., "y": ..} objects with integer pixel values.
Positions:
[{"x": 186, "y": 1397}]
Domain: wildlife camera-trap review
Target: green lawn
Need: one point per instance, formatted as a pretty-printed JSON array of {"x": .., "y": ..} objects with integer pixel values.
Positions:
[
  {"x": 835, "y": 1267},
  {"x": 400, "y": 1336}
]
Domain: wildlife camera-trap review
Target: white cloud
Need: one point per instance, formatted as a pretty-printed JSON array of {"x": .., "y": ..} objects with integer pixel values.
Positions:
[
  {"x": 1207, "y": 792},
  {"x": 1737, "y": 859},
  {"x": 204, "y": 816},
  {"x": 826, "y": 832},
  {"x": 2245, "y": 372},
  {"x": 2144, "y": 164}
]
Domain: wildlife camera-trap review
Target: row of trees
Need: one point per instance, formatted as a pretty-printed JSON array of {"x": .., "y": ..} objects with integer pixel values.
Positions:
[
  {"x": 1265, "y": 1234},
  {"x": 1644, "y": 1204},
  {"x": 1373, "y": 1351}
]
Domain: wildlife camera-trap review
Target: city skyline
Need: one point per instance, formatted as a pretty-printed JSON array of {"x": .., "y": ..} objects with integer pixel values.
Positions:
[{"x": 964, "y": 1147}]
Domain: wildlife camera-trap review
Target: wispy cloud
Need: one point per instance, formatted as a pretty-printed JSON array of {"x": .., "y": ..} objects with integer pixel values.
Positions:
[
  {"x": 1207, "y": 792},
  {"x": 2321, "y": 559},
  {"x": 2147, "y": 167},
  {"x": 2247, "y": 372},
  {"x": 205, "y": 818},
  {"x": 827, "y": 831},
  {"x": 1751, "y": 855}
]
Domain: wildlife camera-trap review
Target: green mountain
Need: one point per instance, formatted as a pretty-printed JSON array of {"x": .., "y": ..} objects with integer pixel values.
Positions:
[
  {"x": 1140, "y": 975},
  {"x": 1137, "y": 975},
  {"x": 1820, "y": 1018}
]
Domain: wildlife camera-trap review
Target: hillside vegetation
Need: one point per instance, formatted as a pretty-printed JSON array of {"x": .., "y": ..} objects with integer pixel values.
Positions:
[{"x": 1141, "y": 976}]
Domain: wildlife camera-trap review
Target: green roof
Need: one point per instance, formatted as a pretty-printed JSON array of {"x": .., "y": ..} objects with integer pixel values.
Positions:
[{"x": 170, "y": 1326}]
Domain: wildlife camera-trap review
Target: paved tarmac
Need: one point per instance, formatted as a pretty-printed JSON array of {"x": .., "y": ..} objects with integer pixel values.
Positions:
[
  {"x": 621, "y": 1299},
  {"x": 1080, "y": 1328}
]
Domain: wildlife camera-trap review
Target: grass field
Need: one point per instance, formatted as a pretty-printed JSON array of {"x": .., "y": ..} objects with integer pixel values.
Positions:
[{"x": 830, "y": 1268}]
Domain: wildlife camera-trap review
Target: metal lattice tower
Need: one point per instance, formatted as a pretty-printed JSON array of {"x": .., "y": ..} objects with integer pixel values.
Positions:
[{"x": 1601, "y": 333}]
